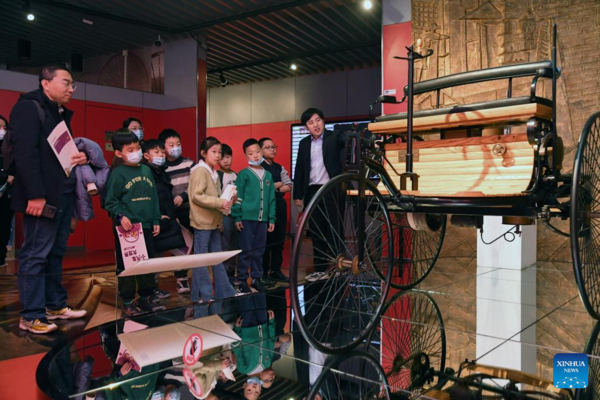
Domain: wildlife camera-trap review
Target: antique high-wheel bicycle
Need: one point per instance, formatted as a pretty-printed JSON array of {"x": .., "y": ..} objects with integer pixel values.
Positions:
[{"x": 387, "y": 213}]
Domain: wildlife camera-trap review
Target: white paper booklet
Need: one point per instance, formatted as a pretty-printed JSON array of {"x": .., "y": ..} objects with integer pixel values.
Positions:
[
  {"x": 63, "y": 145},
  {"x": 228, "y": 194}
]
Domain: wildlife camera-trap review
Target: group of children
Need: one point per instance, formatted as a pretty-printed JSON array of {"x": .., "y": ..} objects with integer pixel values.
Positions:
[{"x": 158, "y": 188}]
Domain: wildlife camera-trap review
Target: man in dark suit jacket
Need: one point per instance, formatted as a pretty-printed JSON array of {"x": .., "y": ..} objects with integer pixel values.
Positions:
[{"x": 319, "y": 160}]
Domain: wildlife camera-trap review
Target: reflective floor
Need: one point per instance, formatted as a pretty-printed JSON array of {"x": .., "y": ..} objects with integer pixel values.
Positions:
[{"x": 465, "y": 332}]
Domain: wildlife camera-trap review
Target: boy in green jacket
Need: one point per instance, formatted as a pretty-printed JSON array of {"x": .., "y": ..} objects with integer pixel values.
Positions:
[
  {"x": 254, "y": 215},
  {"x": 131, "y": 198}
]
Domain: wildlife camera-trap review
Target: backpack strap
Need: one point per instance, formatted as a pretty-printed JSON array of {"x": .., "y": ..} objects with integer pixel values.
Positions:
[{"x": 41, "y": 112}]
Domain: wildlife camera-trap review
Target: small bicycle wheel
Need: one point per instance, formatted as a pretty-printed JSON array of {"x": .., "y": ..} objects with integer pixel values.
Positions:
[
  {"x": 585, "y": 211},
  {"x": 418, "y": 240},
  {"x": 345, "y": 238},
  {"x": 411, "y": 341},
  {"x": 338, "y": 379},
  {"x": 592, "y": 348}
]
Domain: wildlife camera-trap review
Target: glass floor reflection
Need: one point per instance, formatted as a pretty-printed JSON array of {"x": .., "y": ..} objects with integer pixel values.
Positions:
[{"x": 431, "y": 342}]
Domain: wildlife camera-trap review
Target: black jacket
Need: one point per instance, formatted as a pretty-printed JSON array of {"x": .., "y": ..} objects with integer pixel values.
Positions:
[
  {"x": 38, "y": 171},
  {"x": 170, "y": 236},
  {"x": 333, "y": 146}
]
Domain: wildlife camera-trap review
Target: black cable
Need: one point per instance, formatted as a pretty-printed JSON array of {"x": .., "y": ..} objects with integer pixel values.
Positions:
[{"x": 505, "y": 235}]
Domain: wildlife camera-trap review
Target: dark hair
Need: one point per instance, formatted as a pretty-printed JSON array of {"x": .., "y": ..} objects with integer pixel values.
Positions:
[
  {"x": 122, "y": 138},
  {"x": 129, "y": 120},
  {"x": 249, "y": 142},
  {"x": 226, "y": 150},
  {"x": 306, "y": 115},
  {"x": 263, "y": 140},
  {"x": 6, "y": 121},
  {"x": 207, "y": 144},
  {"x": 168, "y": 133},
  {"x": 151, "y": 144},
  {"x": 48, "y": 72}
]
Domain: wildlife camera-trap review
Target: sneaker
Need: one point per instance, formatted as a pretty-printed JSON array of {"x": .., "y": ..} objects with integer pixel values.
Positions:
[
  {"x": 244, "y": 288},
  {"x": 129, "y": 310},
  {"x": 183, "y": 285},
  {"x": 235, "y": 281},
  {"x": 65, "y": 313},
  {"x": 278, "y": 276},
  {"x": 266, "y": 281},
  {"x": 161, "y": 294},
  {"x": 257, "y": 285},
  {"x": 317, "y": 276},
  {"x": 38, "y": 326},
  {"x": 147, "y": 305}
]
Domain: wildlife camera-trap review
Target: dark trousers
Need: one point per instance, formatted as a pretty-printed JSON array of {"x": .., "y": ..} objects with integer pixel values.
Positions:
[
  {"x": 6, "y": 218},
  {"x": 40, "y": 261},
  {"x": 229, "y": 241},
  {"x": 183, "y": 216},
  {"x": 252, "y": 240},
  {"x": 325, "y": 228},
  {"x": 273, "y": 257},
  {"x": 253, "y": 310},
  {"x": 142, "y": 284}
]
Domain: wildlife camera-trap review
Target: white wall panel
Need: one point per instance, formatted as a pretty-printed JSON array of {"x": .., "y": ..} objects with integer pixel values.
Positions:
[
  {"x": 231, "y": 105},
  {"x": 273, "y": 101}
]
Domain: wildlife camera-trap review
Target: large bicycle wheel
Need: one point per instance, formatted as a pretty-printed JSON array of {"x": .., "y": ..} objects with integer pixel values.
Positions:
[
  {"x": 411, "y": 342},
  {"x": 418, "y": 240},
  {"x": 592, "y": 348},
  {"x": 345, "y": 239},
  {"x": 339, "y": 379},
  {"x": 585, "y": 211}
]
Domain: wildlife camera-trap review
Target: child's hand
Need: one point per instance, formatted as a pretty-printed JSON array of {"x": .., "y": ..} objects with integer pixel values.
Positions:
[
  {"x": 238, "y": 322},
  {"x": 155, "y": 230},
  {"x": 239, "y": 225},
  {"x": 271, "y": 227},
  {"x": 225, "y": 205},
  {"x": 271, "y": 314},
  {"x": 125, "y": 368},
  {"x": 178, "y": 201},
  {"x": 164, "y": 217},
  {"x": 126, "y": 223}
]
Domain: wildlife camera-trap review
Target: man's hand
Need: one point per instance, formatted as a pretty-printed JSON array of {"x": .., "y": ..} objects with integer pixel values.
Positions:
[
  {"x": 79, "y": 158},
  {"x": 126, "y": 223},
  {"x": 271, "y": 228},
  {"x": 155, "y": 230},
  {"x": 299, "y": 203},
  {"x": 10, "y": 179},
  {"x": 239, "y": 321},
  {"x": 35, "y": 206},
  {"x": 239, "y": 225},
  {"x": 178, "y": 201}
]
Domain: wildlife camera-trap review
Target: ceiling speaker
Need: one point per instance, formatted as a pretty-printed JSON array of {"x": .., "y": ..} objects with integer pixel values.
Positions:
[{"x": 24, "y": 47}]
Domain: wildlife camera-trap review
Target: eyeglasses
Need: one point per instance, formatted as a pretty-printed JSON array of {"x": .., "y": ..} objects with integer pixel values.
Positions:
[
  {"x": 68, "y": 85},
  {"x": 270, "y": 147}
]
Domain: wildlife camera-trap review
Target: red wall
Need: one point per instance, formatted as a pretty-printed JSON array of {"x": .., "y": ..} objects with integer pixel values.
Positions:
[
  {"x": 92, "y": 120},
  {"x": 395, "y": 72}
]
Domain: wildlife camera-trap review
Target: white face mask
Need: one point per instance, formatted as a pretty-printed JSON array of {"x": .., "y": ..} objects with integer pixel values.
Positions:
[
  {"x": 175, "y": 152},
  {"x": 160, "y": 161},
  {"x": 139, "y": 133},
  {"x": 134, "y": 158},
  {"x": 256, "y": 163},
  {"x": 2, "y": 134}
]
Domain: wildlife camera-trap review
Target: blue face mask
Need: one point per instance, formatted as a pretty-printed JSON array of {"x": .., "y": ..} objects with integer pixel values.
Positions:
[
  {"x": 139, "y": 133},
  {"x": 134, "y": 158},
  {"x": 256, "y": 163},
  {"x": 175, "y": 152},
  {"x": 255, "y": 380},
  {"x": 160, "y": 161}
]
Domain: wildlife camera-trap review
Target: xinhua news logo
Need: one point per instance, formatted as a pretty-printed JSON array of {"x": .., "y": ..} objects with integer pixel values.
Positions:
[{"x": 571, "y": 371}]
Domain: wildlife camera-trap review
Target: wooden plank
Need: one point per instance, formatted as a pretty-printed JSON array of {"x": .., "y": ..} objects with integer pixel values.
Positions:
[
  {"x": 517, "y": 377},
  {"x": 461, "y": 142},
  {"x": 452, "y": 155},
  {"x": 491, "y": 166},
  {"x": 481, "y": 117}
]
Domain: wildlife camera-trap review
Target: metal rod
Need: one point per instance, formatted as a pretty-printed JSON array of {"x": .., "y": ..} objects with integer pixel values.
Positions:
[
  {"x": 554, "y": 134},
  {"x": 409, "y": 115}
]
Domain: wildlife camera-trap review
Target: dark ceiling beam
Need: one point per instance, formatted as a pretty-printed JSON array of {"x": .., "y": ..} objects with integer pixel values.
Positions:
[
  {"x": 88, "y": 11},
  {"x": 294, "y": 57},
  {"x": 244, "y": 15}
]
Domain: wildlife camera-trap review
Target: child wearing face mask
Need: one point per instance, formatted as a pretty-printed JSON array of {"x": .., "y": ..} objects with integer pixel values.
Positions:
[
  {"x": 206, "y": 217},
  {"x": 6, "y": 213},
  {"x": 135, "y": 126},
  {"x": 254, "y": 215},
  {"x": 178, "y": 168},
  {"x": 131, "y": 197}
]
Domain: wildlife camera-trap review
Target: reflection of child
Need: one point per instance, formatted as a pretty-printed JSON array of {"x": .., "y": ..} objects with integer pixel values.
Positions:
[{"x": 229, "y": 233}]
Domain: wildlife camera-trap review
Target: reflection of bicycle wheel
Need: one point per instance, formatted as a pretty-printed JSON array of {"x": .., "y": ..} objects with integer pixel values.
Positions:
[
  {"x": 412, "y": 341},
  {"x": 339, "y": 379},
  {"x": 592, "y": 348},
  {"x": 346, "y": 239}
]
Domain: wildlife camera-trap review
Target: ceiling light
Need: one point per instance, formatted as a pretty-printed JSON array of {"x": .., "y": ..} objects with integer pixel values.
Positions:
[
  {"x": 293, "y": 66},
  {"x": 224, "y": 81},
  {"x": 30, "y": 17},
  {"x": 87, "y": 21},
  {"x": 367, "y": 4}
]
